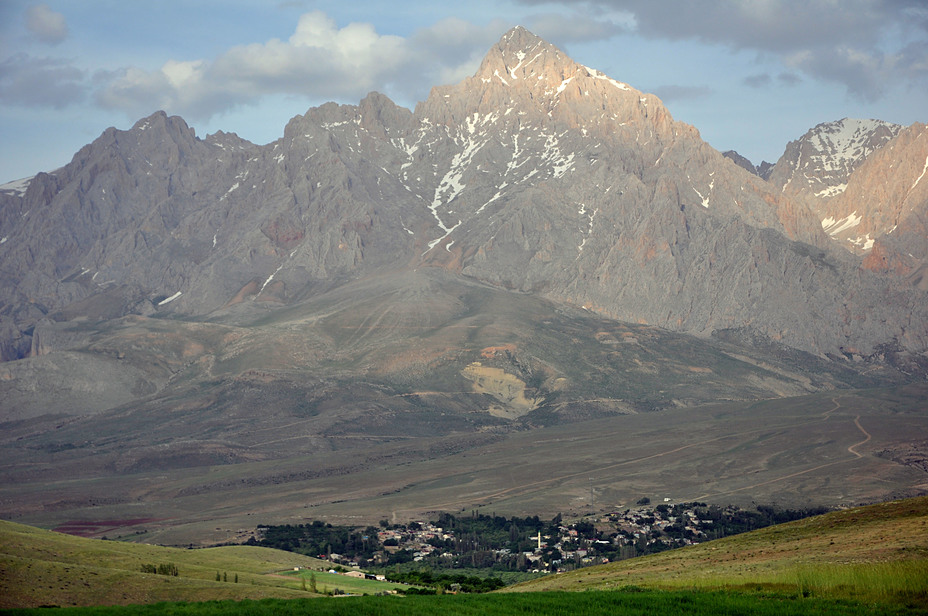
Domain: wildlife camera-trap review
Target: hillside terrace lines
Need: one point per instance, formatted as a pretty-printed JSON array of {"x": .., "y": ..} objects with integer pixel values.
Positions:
[
  {"x": 774, "y": 480},
  {"x": 825, "y": 416},
  {"x": 603, "y": 470},
  {"x": 524, "y": 488}
]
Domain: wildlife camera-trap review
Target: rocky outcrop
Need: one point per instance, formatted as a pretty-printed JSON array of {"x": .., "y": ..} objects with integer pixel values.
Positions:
[{"x": 762, "y": 170}]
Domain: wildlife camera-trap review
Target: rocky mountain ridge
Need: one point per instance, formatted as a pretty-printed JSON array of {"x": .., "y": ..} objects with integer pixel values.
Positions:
[
  {"x": 820, "y": 162},
  {"x": 537, "y": 175}
]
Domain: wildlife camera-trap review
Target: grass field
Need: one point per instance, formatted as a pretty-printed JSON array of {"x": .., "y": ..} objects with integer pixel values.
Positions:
[
  {"x": 630, "y": 602},
  {"x": 328, "y": 583}
]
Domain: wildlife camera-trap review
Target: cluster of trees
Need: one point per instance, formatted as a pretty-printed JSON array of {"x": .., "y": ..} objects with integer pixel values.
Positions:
[
  {"x": 444, "y": 582},
  {"x": 717, "y": 522},
  {"x": 714, "y": 523},
  {"x": 320, "y": 539},
  {"x": 163, "y": 569},
  {"x": 225, "y": 577},
  {"x": 481, "y": 533},
  {"x": 483, "y": 542}
]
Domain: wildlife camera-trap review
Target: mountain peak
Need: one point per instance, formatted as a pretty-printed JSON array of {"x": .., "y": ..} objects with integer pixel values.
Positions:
[
  {"x": 520, "y": 37},
  {"x": 819, "y": 163},
  {"x": 520, "y": 54}
]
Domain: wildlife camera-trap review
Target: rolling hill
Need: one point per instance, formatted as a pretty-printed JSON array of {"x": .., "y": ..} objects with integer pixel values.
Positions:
[{"x": 873, "y": 553}]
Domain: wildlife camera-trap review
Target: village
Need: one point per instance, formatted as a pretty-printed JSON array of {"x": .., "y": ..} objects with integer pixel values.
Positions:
[
  {"x": 530, "y": 545},
  {"x": 558, "y": 546}
]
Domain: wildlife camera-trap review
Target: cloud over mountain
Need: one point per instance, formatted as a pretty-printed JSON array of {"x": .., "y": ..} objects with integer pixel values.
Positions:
[
  {"x": 319, "y": 60},
  {"x": 861, "y": 44},
  {"x": 31, "y": 81}
]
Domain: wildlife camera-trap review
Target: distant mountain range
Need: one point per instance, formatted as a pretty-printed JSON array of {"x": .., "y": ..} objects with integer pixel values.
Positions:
[
  {"x": 537, "y": 175},
  {"x": 539, "y": 245}
]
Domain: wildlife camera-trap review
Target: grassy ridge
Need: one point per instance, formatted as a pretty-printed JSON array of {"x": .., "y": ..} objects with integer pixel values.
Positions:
[
  {"x": 875, "y": 553},
  {"x": 39, "y": 567}
]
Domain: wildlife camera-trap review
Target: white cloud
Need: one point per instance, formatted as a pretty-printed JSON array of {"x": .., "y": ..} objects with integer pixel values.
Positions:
[
  {"x": 47, "y": 25},
  {"x": 450, "y": 50},
  {"x": 319, "y": 61}
]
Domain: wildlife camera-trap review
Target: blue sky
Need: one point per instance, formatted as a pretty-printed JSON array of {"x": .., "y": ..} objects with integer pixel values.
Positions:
[{"x": 750, "y": 74}]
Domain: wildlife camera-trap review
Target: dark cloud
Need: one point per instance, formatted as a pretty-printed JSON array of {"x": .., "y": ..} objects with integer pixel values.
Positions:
[
  {"x": 772, "y": 25},
  {"x": 765, "y": 80},
  {"x": 761, "y": 80},
  {"x": 563, "y": 30},
  {"x": 677, "y": 93},
  {"x": 866, "y": 75},
  {"x": 866, "y": 45},
  {"x": 46, "y": 82}
]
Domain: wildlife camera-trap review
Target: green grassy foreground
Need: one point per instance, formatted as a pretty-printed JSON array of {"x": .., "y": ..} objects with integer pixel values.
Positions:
[{"x": 635, "y": 602}]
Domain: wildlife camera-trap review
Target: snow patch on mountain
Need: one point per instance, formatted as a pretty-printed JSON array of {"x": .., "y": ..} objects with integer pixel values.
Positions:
[
  {"x": 170, "y": 299},
  {"x": 597, "y": 75},
  {"x": 17, "y": 187},
  {"x": 834, "y": 227},
  {"x": 921, "y": 176}
]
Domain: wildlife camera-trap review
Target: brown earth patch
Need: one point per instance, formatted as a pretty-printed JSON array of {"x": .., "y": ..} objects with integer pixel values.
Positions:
[
  {"x": 87, "y": 528},
  {"x": 504, "y": 387}
]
